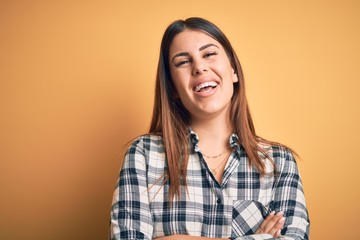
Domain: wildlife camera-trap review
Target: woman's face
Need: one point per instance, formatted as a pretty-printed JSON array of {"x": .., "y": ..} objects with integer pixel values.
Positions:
[{"x": 202, "y": 74}]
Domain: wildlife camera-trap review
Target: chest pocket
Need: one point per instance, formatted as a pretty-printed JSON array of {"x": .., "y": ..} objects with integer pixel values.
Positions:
[{"x": 247, "y": 215}]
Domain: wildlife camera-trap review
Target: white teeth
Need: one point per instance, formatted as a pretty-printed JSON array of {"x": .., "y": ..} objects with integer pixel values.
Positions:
[{"x": 204, "y": 85}]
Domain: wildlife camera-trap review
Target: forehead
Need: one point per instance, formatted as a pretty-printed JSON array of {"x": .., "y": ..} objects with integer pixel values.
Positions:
[{"x": 191, "y": 40}]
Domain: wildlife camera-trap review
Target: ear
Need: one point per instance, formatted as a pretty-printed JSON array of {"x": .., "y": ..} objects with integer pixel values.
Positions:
[{"x": 235, "y": 77}]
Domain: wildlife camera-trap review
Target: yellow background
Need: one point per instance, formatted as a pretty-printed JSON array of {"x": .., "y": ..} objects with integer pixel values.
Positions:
[{"x": 77, "y": 79}]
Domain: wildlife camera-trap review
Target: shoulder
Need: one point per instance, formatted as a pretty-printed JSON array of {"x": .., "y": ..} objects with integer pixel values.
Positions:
[
  {"x": 144, "y": 148},
  {"x": 282, "y": 156},
  {"x": 148, "y": 142},
  {"x": 277, "y": 152}
]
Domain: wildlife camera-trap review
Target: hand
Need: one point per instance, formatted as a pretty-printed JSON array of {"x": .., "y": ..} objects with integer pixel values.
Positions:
[{"x": 272, "y": 224}]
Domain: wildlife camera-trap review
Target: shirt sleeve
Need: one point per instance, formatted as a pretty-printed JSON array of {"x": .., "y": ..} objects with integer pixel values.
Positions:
[
  {"x": 288, "y": 196},
  {"x": 255, "y": 237},
  {"x": 130, "y": 212}
]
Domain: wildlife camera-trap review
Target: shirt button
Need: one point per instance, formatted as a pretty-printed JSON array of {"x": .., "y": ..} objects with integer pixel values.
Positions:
[{"x": 218, "y": 201}]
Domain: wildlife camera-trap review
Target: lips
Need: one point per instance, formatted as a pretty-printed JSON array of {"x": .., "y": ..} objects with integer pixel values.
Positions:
[{"x": 205, "y": 86}]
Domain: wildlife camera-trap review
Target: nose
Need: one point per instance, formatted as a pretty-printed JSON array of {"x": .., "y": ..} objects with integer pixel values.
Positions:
[{"x": 199, "y": 67}]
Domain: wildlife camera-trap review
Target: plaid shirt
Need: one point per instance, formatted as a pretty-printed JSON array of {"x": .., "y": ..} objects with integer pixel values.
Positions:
[{"x": 232, "y": 209}]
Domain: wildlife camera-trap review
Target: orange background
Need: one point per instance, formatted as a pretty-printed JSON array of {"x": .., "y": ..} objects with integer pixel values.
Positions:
[{"x": 77, "y": 79}]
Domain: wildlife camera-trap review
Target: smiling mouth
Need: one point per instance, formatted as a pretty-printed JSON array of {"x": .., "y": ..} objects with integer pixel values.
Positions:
[{"x": 205, "y": 86}]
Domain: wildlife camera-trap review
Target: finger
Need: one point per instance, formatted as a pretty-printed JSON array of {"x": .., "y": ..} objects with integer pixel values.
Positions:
[
  {"x": 272, "y": 221},
  {"x": 263, "y": 224},
  {"x": 267, "y": 219},
  {"x": 275, "y": 224},
  {"x": 277, "y": 234},
  {"x": 277, "y": 227}
]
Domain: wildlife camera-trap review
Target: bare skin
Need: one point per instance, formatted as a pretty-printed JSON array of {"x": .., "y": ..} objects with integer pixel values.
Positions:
[{"x": 272, "y": 224}]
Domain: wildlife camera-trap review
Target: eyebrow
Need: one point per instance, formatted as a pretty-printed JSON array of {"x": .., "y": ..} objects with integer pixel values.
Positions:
[{"x": 200, "y": 49}]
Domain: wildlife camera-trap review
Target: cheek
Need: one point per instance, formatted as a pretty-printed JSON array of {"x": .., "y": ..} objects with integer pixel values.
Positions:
[
  {"x": 179, "y": 81},
  {"x": 180, "y": 91},
  {"x": 175, "y": 80}
]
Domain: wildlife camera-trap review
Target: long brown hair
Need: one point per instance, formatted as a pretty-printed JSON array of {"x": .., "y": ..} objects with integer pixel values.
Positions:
[{"x": 171, "y": 119}]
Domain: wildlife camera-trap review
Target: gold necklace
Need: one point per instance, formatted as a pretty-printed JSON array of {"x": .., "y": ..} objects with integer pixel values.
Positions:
[
  {"x": 213, "y": 170},
  {"x": 216, "y": 156}
]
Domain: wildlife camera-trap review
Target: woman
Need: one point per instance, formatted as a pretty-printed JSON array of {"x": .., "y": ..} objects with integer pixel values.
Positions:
[{"x": 202, "y": 172}]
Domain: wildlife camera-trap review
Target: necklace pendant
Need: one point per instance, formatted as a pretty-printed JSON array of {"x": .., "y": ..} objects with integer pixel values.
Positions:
[{"x": 213, "y": 171}]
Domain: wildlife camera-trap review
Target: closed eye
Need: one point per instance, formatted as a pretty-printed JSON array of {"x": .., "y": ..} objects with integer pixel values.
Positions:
[
  {"x": 209, "y": 54},
  {"x": 180, "y": 63}
]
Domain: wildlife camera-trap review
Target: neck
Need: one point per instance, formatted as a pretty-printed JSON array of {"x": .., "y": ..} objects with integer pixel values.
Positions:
[{"x": 213, "y": 134}]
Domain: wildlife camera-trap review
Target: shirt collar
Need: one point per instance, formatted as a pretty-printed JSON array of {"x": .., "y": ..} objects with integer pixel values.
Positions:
[{"x": 194, "y": 139}]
